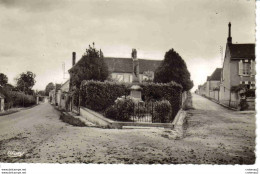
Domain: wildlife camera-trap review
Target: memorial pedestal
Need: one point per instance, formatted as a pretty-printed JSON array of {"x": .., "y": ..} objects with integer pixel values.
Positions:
[{"x": 135, "y": 92}]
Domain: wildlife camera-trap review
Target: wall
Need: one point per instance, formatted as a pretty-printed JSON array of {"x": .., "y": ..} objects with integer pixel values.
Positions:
[
  {"x": 63, "y": 102},
  {"x": 224, "y": 94},
  {"x": 213, "y": 84},
  {"x": 126, "y": 77},
  {"x": 202, "y": 90},
  {"x": 58, "y": 97},
  {"x": 251, "y": 103},
  {"x": 226, "y": 70},
  {"x": 52, "y": 96},
  {"x": 184, "y": 97},
  {"x": 216, "y": 95},
  {"x": 2, "y": 104},
  {"x": 212, "y": 94},
  {"x": 66, "y": 86},
  {"x": 234, "y": 96},
  {"x": 95, "y": 117},
  {"x": 234, "y": 74}
]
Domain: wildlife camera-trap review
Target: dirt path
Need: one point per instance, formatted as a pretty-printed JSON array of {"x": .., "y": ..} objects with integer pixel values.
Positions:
[{"x": 212, "y": 137}]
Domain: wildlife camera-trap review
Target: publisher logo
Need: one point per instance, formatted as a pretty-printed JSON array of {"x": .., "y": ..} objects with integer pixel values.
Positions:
[{"x": 14, "y": 154}]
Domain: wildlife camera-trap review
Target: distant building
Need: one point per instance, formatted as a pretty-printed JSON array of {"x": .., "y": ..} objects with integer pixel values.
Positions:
[
  {"x": 54, "y": 95},
  {"x": 213, "y": 84},
  {"x": 65, "y": 86},
  {"x": 121, "y": 69},
  {"x": 202, "y": 89},
  {"x": 238, "y": 69},
  {"x": 64, "y": 95}
]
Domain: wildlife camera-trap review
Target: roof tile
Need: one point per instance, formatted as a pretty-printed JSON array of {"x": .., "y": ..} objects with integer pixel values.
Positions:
[{"x": 244, "y": 51}]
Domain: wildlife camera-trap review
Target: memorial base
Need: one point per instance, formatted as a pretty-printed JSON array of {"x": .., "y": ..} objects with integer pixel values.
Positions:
[{"x": 135, "y": 92}]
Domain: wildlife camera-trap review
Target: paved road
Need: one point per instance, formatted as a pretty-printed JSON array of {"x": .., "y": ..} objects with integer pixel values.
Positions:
[
  {"x": 202, "y": 103},
  {"x": 213, "y": 135}
]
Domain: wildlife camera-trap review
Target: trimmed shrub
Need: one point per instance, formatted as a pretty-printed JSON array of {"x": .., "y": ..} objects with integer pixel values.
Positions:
[
  {"x": 243, "y": 105},
  {"x": 125, "y": 107},
  {"x": 162, "y": 111},
  {"x": 100, "y": 95},
  {"x": 160, "y": 91},
  {"x": 250, "y": 93},
  {"x": 112, "y": 113}
]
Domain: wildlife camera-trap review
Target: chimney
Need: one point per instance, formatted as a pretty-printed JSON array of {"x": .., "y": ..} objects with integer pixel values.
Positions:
[
  {"x": 73, "y": 58},
  {"x": 134, "y": 53},
  {"x": 229, "y": 39}
]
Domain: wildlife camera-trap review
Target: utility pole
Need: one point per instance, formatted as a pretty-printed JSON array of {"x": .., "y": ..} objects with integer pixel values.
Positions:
[{"x": 221, "y": 55}]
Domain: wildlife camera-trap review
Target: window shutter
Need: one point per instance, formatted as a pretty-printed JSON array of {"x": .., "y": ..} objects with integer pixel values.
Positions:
[
  {"x": 253, "y": 68},
  {"x": 240, "y": 67}
]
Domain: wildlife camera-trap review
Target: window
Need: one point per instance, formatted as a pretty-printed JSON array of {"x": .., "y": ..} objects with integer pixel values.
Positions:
[
  {"x": 246, "y": 68},
  {"x": 120, "y": 77}
]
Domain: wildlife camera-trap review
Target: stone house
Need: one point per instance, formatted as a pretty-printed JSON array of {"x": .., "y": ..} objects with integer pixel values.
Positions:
[
  {"x": 238, "y": 69},
  {"x": 214, "y": 83},
  {"x": 64, "y": 95},
  {"x": 202, "y": 89},
  {"x": 121, "y": 69},
  {"x": 55, "y": 95}
]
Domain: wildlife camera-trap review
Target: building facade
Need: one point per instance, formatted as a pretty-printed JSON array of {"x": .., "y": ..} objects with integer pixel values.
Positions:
[
  {"x": 234, "y": 83},
  {"x": 238, "y": 69}
]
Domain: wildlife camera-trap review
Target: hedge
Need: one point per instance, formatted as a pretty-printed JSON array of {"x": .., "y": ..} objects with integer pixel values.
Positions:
[
  {"x": 15, "y": 98},
  {"x": 100, "y": 95}
]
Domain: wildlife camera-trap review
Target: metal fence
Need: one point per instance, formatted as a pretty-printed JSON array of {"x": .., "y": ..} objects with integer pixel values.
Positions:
[
  {"x": 146, "y": 112},
  {"x": 143, "y": 112}
]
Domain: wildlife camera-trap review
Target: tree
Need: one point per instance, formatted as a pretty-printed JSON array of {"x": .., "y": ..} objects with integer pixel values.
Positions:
[
  {"x": 48, "y": 88},
  {"x": 3, "y": 79},
  {"x": 90, "y": 67},
  {"x": 25, "y": 82},
  {"x": 41, "y": 92},
  {"x": 173, "y": 68}
]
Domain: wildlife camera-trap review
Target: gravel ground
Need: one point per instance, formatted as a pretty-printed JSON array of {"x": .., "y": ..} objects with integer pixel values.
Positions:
[{"x": 212, "y": 135}]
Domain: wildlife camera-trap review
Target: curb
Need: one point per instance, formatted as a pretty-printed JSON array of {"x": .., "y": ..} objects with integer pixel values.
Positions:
[{"x": 72, "y": 120}]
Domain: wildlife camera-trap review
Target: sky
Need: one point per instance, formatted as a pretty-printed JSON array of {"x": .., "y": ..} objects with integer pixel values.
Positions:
[{"x": 40, "y": 35}]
